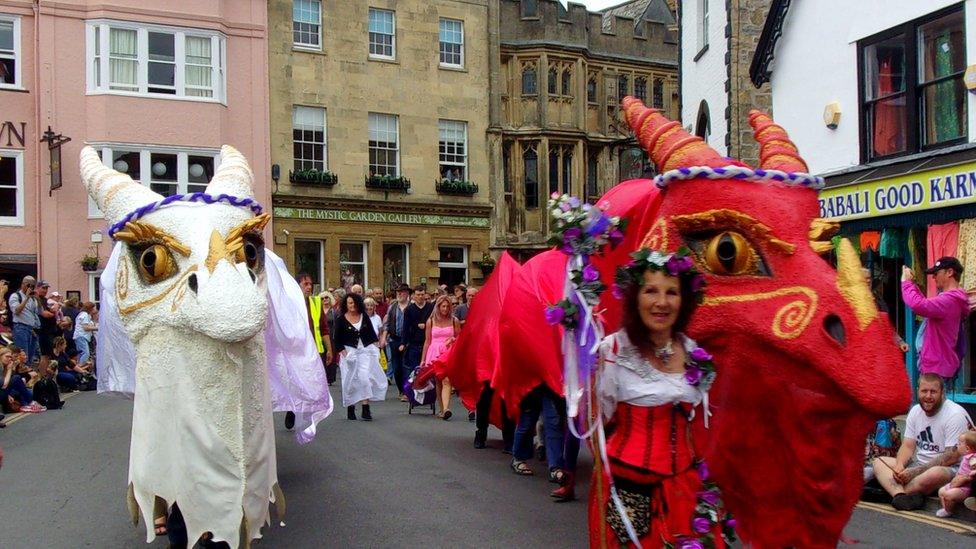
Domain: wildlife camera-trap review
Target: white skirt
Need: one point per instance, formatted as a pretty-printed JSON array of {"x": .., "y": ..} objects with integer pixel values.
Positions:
[{"x": 362, "y": 376}]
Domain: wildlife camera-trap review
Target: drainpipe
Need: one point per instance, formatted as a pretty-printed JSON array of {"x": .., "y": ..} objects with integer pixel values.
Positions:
[{"x": 37, "y": 124}]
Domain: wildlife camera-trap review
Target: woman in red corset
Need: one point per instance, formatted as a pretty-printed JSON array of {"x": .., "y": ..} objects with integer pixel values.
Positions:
[{"x": 652, "y": 385}]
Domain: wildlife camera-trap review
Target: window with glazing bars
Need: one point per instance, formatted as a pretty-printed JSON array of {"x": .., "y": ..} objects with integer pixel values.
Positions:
[
  {"x": 382, "y": 33},
  {"x": 307, "y": 23},
  {"x": 452, "y": 42}
]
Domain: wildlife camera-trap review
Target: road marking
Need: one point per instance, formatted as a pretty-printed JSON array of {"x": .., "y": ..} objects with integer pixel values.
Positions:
[
  {"x": 21, "y": 415},
  {"x": 919, "y": 517}
]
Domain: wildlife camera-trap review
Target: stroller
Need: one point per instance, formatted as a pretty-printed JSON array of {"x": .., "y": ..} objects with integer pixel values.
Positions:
[{"x": 425, "y": 394}]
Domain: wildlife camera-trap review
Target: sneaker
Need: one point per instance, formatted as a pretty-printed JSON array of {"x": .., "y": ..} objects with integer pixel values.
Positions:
[
  {"x": 970, "y": 503},
  {"x": 908, "y": 502},
  {"x": 942, "y": 513},
  {"x": 471, "y": 416}
]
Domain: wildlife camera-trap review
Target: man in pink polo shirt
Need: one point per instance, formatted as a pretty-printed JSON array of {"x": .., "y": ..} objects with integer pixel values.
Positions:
[{"x": 944, "y": 314}]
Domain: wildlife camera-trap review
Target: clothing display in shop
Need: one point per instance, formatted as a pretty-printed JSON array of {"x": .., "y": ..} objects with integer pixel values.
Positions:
[
  {"x": 870, "y": 240},
  {"x": 942, "y": 241},
  {"x": 915, "y": 253},
  {"x": 966, "y": 253},
  {"x": 893, "y": 243}
]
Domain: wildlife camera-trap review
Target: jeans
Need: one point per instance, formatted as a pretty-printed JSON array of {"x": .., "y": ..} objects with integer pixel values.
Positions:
[
  {"x": 18, "y": 389},
  {"x": 544, "y": 402},
  {"x": 69, "y": 380},
  {"x": 83, "y": 349},
  {"x": 395, "y": 365},
  {"x": 26, "y": 338}
]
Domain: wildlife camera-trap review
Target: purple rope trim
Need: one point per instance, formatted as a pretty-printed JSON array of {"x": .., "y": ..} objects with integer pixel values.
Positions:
[
  {"x": 739, "y": 173},
  {"x": 143, "y": 211}
]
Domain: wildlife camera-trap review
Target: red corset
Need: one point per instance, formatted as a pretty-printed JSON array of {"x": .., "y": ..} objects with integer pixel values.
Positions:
[{"x": 650, "y": 442}]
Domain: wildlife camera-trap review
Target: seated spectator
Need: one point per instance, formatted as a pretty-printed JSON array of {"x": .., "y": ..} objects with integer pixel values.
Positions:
[
  {"x": 46, "y": 391},
  {"x": 960, "y": 486},
  {"x": 13, "y": 387},
  {"x": 70, "y": 373},
  {"x": 20, "y": 366},
  {"x": 928, "y": 457}
]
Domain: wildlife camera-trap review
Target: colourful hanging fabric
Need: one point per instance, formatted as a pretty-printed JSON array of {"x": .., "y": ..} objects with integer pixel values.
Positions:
[
  {"x": 870, "y": 240},
  {"x": 967, "y": 252},
  {"x": 942, "y": 241},
  {"x": 893, "y": 243},
  {"x": 915, "y": 252},
  {"x": 856, "y": 242}
]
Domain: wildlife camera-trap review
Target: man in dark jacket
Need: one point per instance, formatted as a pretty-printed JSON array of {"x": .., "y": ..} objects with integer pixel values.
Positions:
[
  {"x": 394, "y": 329},
  {"x": 414, "y": 329}
]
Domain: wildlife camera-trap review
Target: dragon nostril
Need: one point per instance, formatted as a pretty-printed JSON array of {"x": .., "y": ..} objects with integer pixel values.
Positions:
[
  {"x": 835, "y": 329},
  {"x": 192, "y": 282}
]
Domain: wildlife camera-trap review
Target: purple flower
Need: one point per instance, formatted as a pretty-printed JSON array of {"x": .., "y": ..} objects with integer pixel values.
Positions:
[
  {"x": 693, "y": 375},
  {"x": 591, "y": 273},
  {"x": 599, "y": 226},
  {"x": 555, "y": 314},
  {"x": 567, "y": 249},
  {"x": 703, "y": 470},
  {"x": 709, "y": 497},
  {"x": 574, "y": 202},
  {"x": 700, "y": 355},
  {"x": 554, "y": 196},
  {"x": 697, "y": 283},
  {"x": 617, "y": 291},
  {"x": 701, "y": 525},
  {"x": 677, "y": 265},
  {"x": 616, "y": 237},
  {"x": 731, "y": 523},
  {"x": 690, "y": 543},
  {"x": 572, "y": 233},
  {"x": 565, "y": 207}
]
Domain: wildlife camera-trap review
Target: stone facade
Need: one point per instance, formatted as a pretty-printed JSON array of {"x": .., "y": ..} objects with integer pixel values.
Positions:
[
  {"x": 746, "y": 19},
  {"x": 343, "y": 228},
  {"x": 556, "y": 80}
]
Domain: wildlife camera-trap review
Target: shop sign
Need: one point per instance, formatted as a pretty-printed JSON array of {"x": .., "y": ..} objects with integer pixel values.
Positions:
[
  {"x": 381, "y": 217},
  {"x": 925, "y": 190},
  {"x": 10, "y": 133}
]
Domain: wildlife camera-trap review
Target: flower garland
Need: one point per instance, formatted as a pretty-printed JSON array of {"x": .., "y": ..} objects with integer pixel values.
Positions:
[
  {"x": 581, "y": 231},
  {"x": 678, "y": 264},
  {"x": 709, "y": 511}
]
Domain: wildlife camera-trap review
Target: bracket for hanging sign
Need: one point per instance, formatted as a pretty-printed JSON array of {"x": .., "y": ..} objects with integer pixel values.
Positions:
[{"x": 54, "y": 142}]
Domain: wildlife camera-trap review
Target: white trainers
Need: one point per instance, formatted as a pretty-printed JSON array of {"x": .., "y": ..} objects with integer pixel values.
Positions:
[
  {"x": 970, "y": 503},
  {"x": 942, "y": 513}
]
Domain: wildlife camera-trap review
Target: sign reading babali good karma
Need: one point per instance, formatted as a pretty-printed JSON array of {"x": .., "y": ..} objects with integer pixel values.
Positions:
[
  {"x": 381, "y": 217},
  {"x": 925, "y": 190}
]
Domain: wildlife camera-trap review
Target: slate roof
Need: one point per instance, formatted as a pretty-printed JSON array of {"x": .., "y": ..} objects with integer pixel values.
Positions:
[{"x": 650, "y": 10}]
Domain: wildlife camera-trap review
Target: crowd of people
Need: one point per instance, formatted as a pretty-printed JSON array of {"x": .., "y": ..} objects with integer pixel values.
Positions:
[{"x": 46, "y": 347}]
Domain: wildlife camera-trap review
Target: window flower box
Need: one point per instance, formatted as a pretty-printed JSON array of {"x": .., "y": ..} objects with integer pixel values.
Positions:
[
  {"x": 447, "y": 186},
  {"x": 312, "y": 177},
  {"x": 387, "y": 183}
]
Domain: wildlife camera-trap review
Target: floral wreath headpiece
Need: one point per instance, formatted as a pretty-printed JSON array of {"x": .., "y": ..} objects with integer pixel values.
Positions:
[{"x": 679, "y": 264}]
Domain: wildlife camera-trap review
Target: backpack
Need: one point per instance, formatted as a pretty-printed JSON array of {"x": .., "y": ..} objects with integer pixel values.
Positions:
[{"x": 46, "y": 393}]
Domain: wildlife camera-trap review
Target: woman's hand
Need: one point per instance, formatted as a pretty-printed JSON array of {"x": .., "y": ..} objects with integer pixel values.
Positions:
[
  {"x": 907, "y": 274},
  {"x": 449, "y": 341}
]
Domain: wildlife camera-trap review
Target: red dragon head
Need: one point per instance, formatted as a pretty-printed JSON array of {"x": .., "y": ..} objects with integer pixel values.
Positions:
[{"x": 806, "y": 363}]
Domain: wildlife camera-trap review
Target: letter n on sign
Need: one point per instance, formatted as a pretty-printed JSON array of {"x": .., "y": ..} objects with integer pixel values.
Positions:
[{"x": 54, "y": 142}]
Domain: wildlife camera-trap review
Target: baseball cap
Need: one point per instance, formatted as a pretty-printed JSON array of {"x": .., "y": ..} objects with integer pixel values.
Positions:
[
  {"x": 947, "y": 262},
  {"x": 43, "y": 284}
]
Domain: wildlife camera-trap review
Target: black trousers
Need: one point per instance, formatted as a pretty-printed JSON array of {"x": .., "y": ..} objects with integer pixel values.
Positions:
[{"x": 483, "y": 413}]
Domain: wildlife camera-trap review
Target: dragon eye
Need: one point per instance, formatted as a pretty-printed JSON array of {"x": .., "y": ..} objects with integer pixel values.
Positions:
[
  {"x": 156, "y": 263},
  {"x": 729, "y": 253},
  {"x": 253, "y": 251}
]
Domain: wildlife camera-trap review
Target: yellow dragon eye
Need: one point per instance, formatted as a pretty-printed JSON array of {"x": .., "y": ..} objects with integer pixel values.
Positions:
[
  {"x": 728, "y": 253},
  {"x": 156, "y": 263}
]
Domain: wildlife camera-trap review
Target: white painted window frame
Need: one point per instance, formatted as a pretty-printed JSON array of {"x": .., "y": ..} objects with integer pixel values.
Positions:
[
  {"x": 702, "y": 24},
  {"x": 442, "y": 63},
  {"x": 463, "y": 264},
  {"x": 393, "y": 43},
  {"x": 18, "y": 156},
  {"x": 464, "y": 142},
  {"x": 93, "y": 280},
  {"x": 18, "y": 56},
  {"x": 325, "y": 135},
  {"x": 321, "y": 268},
  {"x": 396, "y": 122},
  {"x": 218, "y": 78},
  {"x": 364, "y": 262},
  {"x": 303, "y": 45},
  {"x": 145, "y": 168}
]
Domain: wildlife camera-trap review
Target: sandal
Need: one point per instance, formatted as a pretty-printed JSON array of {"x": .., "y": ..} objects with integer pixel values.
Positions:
[
  {"x": 520, "y": 468},
  {"x": 447, "y": 415},
  {"x": 557, "y": 476}
]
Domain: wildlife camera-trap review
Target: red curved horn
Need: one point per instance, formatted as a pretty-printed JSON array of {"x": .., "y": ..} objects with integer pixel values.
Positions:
[
  {"x": 776, "y": 150},
  {"x": 668, "y": 144}
]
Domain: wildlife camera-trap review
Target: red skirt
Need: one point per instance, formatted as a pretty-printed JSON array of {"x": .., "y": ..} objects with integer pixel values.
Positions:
[{"x": 660, "y": 499}]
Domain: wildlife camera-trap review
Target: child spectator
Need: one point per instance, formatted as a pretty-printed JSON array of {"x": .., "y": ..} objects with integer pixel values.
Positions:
[{"x": 960, "y": 486}]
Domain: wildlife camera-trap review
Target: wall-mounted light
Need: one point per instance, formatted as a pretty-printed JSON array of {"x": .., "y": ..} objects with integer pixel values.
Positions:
[
  {"x": 831, "y": 115},
  {"x": 275, "y": 174}
]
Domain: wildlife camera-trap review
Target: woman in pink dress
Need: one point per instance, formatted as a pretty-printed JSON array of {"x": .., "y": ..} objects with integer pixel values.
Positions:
[{"x": 442, "y": 328}]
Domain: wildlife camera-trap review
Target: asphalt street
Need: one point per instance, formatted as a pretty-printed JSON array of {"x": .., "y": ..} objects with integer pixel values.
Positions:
[{"x": 399, "y": 481}]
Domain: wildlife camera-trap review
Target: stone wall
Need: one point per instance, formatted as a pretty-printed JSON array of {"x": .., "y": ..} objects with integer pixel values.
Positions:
[{"x": 746, "y": 20}]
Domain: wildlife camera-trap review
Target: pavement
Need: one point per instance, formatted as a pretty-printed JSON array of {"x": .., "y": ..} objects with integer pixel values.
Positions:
[{"x": 398, "y": 481}]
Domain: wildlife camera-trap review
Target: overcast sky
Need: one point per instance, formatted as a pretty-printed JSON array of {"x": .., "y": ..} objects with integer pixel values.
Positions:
[{"x": 597, "y": 5}]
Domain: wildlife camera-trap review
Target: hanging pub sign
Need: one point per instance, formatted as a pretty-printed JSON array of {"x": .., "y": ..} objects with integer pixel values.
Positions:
[
  {"x": 54, "y": 142},
  {"x": 923, "y": 190}
]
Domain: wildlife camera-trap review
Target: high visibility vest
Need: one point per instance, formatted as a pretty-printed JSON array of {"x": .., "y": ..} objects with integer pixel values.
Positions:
[{"x": 315, "y": 311}]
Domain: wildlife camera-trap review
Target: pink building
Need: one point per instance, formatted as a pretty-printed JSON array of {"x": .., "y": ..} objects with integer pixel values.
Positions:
[{"x": 156, "y": 86}]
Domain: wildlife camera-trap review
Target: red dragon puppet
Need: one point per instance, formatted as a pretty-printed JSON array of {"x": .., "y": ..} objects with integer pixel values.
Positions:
[{"x": 806, "y": 363}]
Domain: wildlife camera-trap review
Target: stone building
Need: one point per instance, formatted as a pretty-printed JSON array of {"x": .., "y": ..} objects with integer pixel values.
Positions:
[
  {"x": 378, "y": 116},
  {"x": 557, "y": 77},
  {"x": 718, "y": 39}
]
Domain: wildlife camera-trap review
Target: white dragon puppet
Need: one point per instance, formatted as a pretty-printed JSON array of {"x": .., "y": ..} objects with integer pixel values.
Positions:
[{"x": 209, "y": 333}]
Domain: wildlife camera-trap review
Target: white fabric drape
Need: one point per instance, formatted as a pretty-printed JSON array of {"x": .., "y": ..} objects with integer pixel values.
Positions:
[
  {"x": 199, "y": 74},
  {"x": 123, "y": 59}
]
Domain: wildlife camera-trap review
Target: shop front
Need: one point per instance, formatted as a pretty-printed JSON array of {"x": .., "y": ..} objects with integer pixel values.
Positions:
[
  {"x": 912, "y": 212},
  {"x": 381, "y": 244}
]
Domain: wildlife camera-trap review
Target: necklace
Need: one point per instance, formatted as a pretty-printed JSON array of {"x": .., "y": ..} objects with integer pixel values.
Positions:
[{"x": 665, "y": 353}]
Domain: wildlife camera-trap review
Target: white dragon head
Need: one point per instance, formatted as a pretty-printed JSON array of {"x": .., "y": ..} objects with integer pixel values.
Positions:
[{"x": 190, "y": 262}]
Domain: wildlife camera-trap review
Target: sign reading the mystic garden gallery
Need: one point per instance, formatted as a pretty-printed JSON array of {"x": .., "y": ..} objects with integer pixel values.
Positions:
[
  {"x": 381, "y": 217},
  {"x": 925, "y": 190}
]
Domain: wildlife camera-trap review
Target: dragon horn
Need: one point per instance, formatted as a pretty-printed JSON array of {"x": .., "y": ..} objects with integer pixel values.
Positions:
[
  {"x": 233, "y": 177},
  {"x": 776, "y": 150},
  {"x": 115, "y": 193},
  {"x": 669, "y": 145}
]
